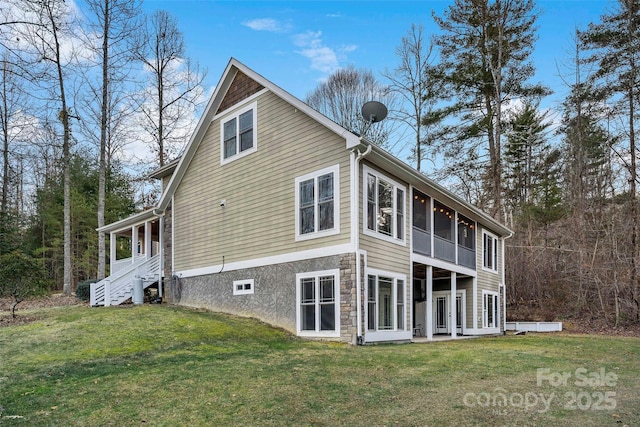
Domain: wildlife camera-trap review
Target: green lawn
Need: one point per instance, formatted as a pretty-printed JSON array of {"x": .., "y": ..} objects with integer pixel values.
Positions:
[{"x": 162, "y": 365}]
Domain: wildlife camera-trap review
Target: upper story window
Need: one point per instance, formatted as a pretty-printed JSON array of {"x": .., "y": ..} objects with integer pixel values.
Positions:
[
  {"x": 384, "y": 204},
  {"x": 489, "y": 251},
  {"x": 466, "y": 232},
  {"x": 317, "y": 203},
  {"x": 238, "y": 134},
  {"x": 421, "y": 208},
  {"x": 443, "y": 221}
]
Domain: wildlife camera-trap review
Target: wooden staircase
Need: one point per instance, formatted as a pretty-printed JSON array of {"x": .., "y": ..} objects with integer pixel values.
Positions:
[{"x": 118, "y": 287}]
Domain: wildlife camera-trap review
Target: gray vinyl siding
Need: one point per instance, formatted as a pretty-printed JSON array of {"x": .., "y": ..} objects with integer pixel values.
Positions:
[
  {"x": 382, "y": 254},
  {"x": 258, "y": 219},
  {"x": 487, "y": 280}
]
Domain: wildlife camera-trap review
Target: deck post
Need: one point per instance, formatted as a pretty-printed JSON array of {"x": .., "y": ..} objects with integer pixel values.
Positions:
[
  {"x": 134, "y": 244},
  {"x": 454, "y": 305},
  {"x": 147, "y": 239},
  {"x": 429, "y": 308},
  {"x": 112, "y": 251},
  {"x": 107, "y": 293}
]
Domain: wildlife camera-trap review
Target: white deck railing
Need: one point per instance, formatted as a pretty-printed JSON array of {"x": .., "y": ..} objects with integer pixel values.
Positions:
[{"x": 118, "y": 287}]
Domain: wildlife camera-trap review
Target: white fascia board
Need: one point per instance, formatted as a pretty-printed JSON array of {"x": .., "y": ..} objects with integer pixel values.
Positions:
[
  {"x": 397, "y": 167},
  {"x": 270, "y": 260},
  {"x": 127, "y": 223}
]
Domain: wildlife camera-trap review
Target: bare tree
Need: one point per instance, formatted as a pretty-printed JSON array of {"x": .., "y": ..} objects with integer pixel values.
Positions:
[
  {"x": 45, "y": 38},
  {"x": 112, "y": 32},
  {"x": 417, "y": 80},
  {"x": 176, "y": 90},
  {"x": 342, "y": 96}
]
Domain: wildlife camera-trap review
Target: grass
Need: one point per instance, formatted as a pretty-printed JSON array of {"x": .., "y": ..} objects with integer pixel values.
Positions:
[{"x": 162, "y": 365}]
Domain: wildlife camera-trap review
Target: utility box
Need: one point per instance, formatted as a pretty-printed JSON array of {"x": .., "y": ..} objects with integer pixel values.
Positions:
[{"x": 138, "y": 293}]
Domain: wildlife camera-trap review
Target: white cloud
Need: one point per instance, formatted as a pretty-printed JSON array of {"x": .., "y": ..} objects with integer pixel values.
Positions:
[
  {"x": 323, "y": 58},
  {"x": 267, "y": 24}
]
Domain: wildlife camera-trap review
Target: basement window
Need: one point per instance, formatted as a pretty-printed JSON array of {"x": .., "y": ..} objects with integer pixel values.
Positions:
[{"x": 243, "y": 287}]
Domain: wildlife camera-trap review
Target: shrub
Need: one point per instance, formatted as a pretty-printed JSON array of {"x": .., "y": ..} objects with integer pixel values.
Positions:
[
  {"x": 83, "y": 290},
  {"x": 21, "y": 276}
]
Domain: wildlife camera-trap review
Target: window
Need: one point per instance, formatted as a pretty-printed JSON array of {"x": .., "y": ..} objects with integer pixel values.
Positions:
[
  {"x": 238, "y": 134},
  {"x": 490, "y": 316},
  {"x": 318, "y": 303},
  {"x": 317, "y": 204},
  {"x": 489, "y": 251},
  {"x": 385, "y": 303},
  {"x": 385, "y": 211},
  {"x": 243, "y": 287},
  {"x": 466, "y": 232},
  {"x": 421, "y": 206},
  {"x": 443, "y": 221}
]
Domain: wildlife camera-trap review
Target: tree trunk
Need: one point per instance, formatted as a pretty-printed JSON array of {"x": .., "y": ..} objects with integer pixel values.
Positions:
[
  {"x": 103, "y": 143},
  {"x": 66, "y": 158}
]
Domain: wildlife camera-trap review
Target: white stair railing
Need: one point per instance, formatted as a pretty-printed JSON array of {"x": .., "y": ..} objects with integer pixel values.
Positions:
[{"x": 118, "y": 287}]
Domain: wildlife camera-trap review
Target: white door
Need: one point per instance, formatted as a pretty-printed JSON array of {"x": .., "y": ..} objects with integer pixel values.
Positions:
[{"x": 442, "y": 313}]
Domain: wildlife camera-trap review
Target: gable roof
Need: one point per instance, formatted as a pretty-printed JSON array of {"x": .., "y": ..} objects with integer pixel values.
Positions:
[
  {"x": 214, "y": 106},
  {"x": 247, "y": 77}
]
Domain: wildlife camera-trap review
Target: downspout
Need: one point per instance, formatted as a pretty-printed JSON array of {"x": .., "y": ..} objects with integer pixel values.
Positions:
[
  {"x": 356, "y": 156},
  {"x": 504, "y": 287},
  {"x": 160, "y": 216}
]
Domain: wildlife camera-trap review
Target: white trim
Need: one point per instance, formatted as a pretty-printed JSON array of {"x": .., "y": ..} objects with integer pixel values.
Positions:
[
  {"x": 394, "y": 227},
  {"x": 241, "y": 104},
  {"x": 496, "y": 307},
  {"x": 438, "y": 263},
  {"x": 235, "y": 115},
  {"x": 270, "y": 260},
  {"x": 483, "y": 331},
  {"x": 173, "y": 235},
  {"x": 462, "y": 293},
  {"x": 335, "y": 273},
  {"x": 380, "y": 336},
  {"x": 475, "y": 303},
  {"x": 496, "y": 258},
  {"x": 244, "y": 290},
  {"x": 335, "y": 170},
  {"x": 407, "y": 327}
]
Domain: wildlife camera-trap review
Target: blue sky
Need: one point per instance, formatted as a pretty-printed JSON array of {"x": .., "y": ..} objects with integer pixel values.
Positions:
[{"x": 296, "y": 44}]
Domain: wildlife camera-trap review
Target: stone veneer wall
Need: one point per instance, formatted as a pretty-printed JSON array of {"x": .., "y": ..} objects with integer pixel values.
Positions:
[{"x": 274, "y": 297}]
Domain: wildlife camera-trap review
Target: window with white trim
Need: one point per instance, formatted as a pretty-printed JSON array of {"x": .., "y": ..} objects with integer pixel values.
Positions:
[
  {"x": 317, "y": 204},
  {"x": 238, "y": 134},
  {"x": 385, "y": 303},
  {"x": 489, "y": 251},
  {"x": 384, "y": 207},
  {"x": 243, "y": 287},
  {"x": 318, "y": 303},
  {"x": 490, "y": 309}
]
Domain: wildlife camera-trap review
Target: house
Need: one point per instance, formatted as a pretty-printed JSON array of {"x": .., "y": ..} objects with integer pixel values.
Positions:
[{"x": 276, "y": 212}]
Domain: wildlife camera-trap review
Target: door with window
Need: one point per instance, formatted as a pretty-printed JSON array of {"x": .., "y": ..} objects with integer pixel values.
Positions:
[{"x": 442, "y": 312}]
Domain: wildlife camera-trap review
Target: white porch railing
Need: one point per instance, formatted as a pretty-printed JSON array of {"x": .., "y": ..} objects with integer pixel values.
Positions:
[
  {"x": 120, "y": 264},
  {"x": 118, "y": 287}
]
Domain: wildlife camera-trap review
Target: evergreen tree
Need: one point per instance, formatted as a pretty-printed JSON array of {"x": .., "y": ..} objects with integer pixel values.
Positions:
[
  {"x": 614, "y": 47},
  {"x": 45, "y": 232},
  {"x": 486, "y": 48}
]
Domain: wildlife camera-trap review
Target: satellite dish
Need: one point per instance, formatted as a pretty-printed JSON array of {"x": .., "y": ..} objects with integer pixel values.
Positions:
[{"x": 374, "y": 111}]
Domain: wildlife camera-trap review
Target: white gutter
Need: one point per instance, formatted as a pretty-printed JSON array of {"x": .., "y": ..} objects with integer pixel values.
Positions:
[{"x": 355, "y": 230}]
